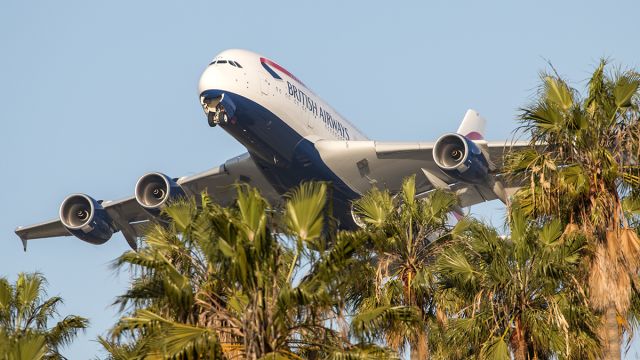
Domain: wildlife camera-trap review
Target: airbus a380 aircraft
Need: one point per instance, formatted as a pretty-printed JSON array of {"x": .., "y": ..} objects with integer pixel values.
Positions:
[{"x": 291, "y": 136}]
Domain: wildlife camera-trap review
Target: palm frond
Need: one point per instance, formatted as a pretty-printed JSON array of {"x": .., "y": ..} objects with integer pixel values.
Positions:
[
  {"x": 66, "y": 330},
  {"x": 304, "y": 210}
]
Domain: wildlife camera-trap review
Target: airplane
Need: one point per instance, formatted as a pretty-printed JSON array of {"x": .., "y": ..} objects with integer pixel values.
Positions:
[{"x": 291, "y": 135}]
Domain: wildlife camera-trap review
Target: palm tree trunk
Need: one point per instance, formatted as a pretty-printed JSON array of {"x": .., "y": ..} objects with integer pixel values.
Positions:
[
  {"x": 612, "y": 335},
  {"x": 518, "y": 341},
  {"x": 520, "y": 353},
  {"x": 414, "y": 354}
]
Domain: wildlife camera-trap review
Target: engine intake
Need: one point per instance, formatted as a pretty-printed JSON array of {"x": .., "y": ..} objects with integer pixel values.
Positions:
[
  {"x": 153, "y": 190},
  {"x": 460, "y": 158},
  {"x": 86, "y": 219}
]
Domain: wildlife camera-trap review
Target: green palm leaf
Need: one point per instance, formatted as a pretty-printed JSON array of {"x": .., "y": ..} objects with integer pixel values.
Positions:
[
  {"x": 558, "y": 92},
  {"x": 367, "y": 323},
  {"x": 304, "y": 210},
  {"x": 625, "y": 88},
  {"x": 514, "y": 296},
  {"x": 374, "y": 208},
  {"x": 496, "y": 349},
  {"x": 224, "y": 279},
  {"x": 593, "y": 143},
  {"x": 24, "y": 314}
]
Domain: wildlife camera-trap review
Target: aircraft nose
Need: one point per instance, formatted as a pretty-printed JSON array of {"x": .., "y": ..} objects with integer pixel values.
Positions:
[{"x": 209, "y": 79}]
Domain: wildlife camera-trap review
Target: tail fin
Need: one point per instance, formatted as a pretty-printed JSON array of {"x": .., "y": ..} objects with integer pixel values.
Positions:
[{"x": 472, "y": 125}]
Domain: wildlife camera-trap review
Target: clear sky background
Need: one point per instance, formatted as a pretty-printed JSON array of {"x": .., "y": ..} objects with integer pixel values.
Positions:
[{"x": 93, "y": 94}]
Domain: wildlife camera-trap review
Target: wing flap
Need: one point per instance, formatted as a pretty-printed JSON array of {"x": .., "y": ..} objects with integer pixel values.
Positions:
[{"x": 395, "y": 150}]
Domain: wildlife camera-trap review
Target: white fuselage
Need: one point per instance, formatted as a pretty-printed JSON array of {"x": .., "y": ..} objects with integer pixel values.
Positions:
[{"x": 287, "y": 97}]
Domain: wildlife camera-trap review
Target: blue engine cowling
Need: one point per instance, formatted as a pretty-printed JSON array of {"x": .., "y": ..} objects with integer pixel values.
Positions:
[
  {"x": 153, "y": 190},
  {"x": 460, "y": 158},
  {"x": 86, "y": 219}
]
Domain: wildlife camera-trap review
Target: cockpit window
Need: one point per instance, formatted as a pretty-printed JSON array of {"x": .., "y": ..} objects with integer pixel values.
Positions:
[{"x": 231, "y": 62}]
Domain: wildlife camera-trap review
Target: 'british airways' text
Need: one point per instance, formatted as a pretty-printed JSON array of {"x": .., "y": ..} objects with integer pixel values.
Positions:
[{"x": 310, "y": 105}]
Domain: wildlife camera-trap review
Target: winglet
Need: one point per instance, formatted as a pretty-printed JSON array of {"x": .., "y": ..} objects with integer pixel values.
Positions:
[
  {"x": 23, "y": 237},
  {"x": 472, "y": 125}
]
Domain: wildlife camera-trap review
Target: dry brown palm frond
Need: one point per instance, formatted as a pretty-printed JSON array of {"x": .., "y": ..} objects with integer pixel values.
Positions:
[
  {"x": 609, "y": 282},
  {"x": 611, "y": 241},
  {"x": 382, "y": 275},
  {"x": 598, "y": 279},
  {"x": 570, "y": 229},
  {"x": 441, "y": 317},
  {"x": 630, "y": 249},
  {"x": 421, "y": 346}
]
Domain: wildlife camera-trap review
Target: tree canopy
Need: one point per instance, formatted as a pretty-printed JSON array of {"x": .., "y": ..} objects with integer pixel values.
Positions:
[{"x": 25, "y": 317}]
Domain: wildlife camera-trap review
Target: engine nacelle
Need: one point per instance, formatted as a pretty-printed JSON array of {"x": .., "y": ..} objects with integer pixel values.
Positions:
[
  {"x": 153, "y": 190},
  {"x": 86, "y": 219},
  {"x": 460, "y": 158}
]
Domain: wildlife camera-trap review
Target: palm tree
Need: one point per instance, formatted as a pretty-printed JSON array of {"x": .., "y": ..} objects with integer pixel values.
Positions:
[
  {"x": 582, "y": 164},
  {"x": 393, "y": 296},
  {"x": 516, "y": 296},
  {"x": 247, "y": 281},
  {"x": 24, "y": 316}
]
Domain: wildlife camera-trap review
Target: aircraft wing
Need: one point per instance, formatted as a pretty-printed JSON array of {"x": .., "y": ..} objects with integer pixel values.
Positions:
[
  {"x": 130, "y": 218},
  {"x": 362, "y": 164}
]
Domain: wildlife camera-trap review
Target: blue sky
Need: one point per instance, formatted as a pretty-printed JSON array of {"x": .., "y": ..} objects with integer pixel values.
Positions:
[{"x": 95, "y": 94}]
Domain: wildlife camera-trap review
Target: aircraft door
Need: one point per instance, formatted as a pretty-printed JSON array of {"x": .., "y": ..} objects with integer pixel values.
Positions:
[{"x": 265, "y": 85}]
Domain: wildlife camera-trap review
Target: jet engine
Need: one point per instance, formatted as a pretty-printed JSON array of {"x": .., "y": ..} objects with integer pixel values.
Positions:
[
  {"x": 86, "y": 219},
  {"x": 460, "y": 158},
  {"x": 153, "y": 190}
]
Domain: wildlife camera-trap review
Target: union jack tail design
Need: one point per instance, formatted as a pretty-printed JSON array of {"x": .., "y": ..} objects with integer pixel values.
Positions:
[{"x": 472, "y": 125}]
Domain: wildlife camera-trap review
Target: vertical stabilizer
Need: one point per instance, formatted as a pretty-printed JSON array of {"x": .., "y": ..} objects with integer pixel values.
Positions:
[{"x": 472, "y": 125}]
